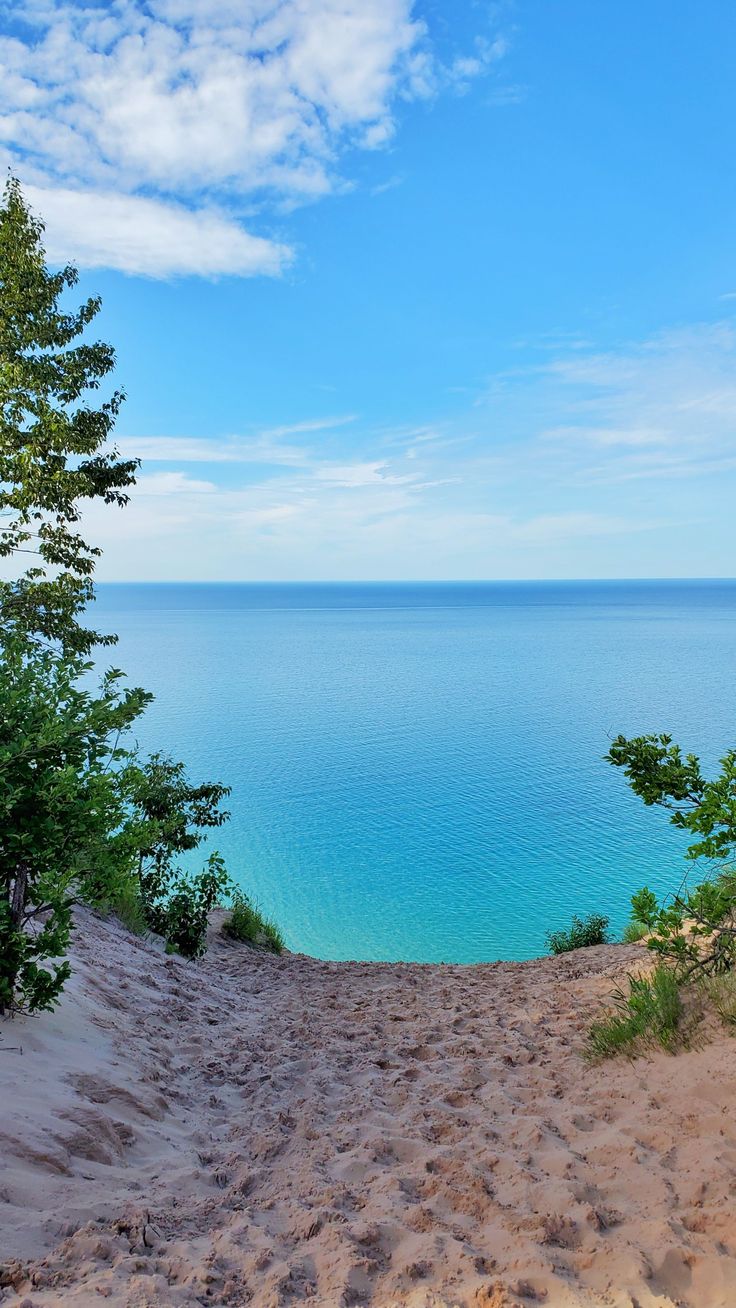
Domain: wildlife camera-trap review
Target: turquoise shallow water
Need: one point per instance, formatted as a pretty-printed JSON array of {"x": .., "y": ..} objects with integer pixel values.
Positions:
[{"x": 417, "y": 769}]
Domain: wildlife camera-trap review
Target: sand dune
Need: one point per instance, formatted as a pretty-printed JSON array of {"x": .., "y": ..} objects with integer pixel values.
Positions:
[{"x": 251, "y": 1130}]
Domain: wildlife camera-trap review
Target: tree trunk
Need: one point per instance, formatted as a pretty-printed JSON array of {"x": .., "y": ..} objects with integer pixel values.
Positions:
[{"x": 17, "y": 895}]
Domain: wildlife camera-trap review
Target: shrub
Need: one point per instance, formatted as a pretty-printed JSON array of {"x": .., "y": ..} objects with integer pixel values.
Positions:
[
  {"x": 695, "y": 929},
  {"x": 247, "y": 923},
  {"x": 60, "y": 806},
  {"x": 186, "y": 912},
  {"x": 649, "y": 1011},
  {"x": 581, "y": 933},
  {"x": 169, "y": 817}
]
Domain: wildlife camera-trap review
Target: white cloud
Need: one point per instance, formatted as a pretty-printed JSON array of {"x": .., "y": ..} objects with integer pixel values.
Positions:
[
  {"x": 633, "y": 436},
  {"x": 362, "y": 474},
  {"x": 172, "y": 483},
  {"x": 151, "y": 237},
  {"x": 664, "y": 407},
  {"x": 137, "y": 121},
  {"x": 268, "y": 447}
]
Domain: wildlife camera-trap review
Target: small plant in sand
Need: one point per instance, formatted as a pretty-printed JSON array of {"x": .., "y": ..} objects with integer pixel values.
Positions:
[
  {"x": 581, "y": 933},
  {"x": 248, "y": 924},
  {"x": 647, "y": 1011},
  {"x": 634, "y": 931}
]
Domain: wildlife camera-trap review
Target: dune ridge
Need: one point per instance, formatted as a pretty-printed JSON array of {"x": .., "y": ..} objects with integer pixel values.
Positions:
[{"x": 273, "y": 1131}]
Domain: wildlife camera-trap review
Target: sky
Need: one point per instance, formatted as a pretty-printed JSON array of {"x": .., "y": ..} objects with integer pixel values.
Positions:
[{"x": 398, "y": 290}]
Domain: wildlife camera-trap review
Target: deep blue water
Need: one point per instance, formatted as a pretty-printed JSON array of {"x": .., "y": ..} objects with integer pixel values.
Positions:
[{"x": 417, "y": 768}]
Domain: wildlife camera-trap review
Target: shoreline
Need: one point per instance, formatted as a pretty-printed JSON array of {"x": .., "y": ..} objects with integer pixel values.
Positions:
[{"x": 272, "y": 1131}]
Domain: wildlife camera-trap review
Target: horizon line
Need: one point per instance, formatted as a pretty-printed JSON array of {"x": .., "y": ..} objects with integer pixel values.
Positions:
[{"x": 402, "y": 581}]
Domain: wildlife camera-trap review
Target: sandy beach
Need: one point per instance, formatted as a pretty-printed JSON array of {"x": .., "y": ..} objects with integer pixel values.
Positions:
[{"x": 267, "y": 1131}]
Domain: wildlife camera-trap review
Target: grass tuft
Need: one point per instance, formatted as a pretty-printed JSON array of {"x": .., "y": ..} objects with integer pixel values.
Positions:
[
  {"x": 581, "y": 933},
  {"x": 648, "y": 1013},
  {"x": 248, "y": 924},
  {"x": 127, "y": 905},
  {"x": 634, "y": 931},
  {"x": 720, "y": 993}
]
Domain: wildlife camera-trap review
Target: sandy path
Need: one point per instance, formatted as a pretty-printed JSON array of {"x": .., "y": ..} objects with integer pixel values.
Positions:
[{"x": 263, "y": 1131}]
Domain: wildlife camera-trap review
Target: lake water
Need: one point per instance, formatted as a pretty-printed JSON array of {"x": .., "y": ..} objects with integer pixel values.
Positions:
[{"x": 417, "y": 769}]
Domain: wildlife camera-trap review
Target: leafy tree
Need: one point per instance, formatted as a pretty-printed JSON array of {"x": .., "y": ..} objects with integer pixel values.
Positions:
[
  {"x": 61, "y": 806},
  {"x": 169, "y": 818},
  {"x": 81, "y": 816},
  {"x": 53, "y": 442},
  {"x": 695, "y": 928},
  {"x": 187, "y": 910}
]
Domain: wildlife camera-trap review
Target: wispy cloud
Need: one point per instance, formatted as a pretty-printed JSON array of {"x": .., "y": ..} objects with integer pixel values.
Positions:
[
  {"x": 589, "y": 463},
  {"x": 363, "y": 474},
  {"x": 149, "y": 131},
  {"x": 266, "y": 447},
  {"x": 173, "y": 483}
]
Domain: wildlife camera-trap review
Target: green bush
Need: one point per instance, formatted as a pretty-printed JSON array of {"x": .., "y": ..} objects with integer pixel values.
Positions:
[
  {"x": 581, "y": 933},
  {"x": 648, "y": 1012},
  {"x": 695, "y": 930},
  {"x": 185, "y": 914},
  {"x": 60, "y": 807},
  {"x": 248, "y": 924}
]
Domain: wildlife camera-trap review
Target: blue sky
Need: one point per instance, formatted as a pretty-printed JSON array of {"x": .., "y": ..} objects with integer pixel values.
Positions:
[{"x": 399, "y": 290}]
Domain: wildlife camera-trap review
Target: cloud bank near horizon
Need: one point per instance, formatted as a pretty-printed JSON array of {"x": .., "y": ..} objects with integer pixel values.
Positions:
[{"x": 586, "y": 463}]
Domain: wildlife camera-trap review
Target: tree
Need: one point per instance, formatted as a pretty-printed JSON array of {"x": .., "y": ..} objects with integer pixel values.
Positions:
[
  {"x": 695, "y": 928},
  {"x": 170, "y": 817},
  {"x": 62, "y": 810},
  {"x": 659, "y": 773},
  {"x": 81, "y": 816},
  {"x": 53, "y": 442}
]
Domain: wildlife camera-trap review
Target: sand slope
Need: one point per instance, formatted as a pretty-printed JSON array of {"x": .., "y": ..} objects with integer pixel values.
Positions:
[{"x": 251, "y": 1130}]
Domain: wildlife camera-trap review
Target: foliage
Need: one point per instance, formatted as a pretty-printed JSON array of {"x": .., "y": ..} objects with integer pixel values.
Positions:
[
  {"x": 170, "y": 817},
  {"x": 186, "y": 911},
  {"x": 581, "y": 933},
  {"x": 126, "y": 903},
  {"x": 52, "y": 441},
  {"x": 248, "y": 924},
  {"x": 649, "y": 1011},
  {"x": 60, "y": 803},
  {"x": 657, "y": 771},
  {"x": 82, "y": 818},
  {"x": 695, "y": 928}
]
